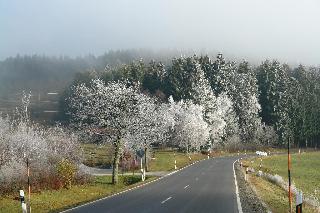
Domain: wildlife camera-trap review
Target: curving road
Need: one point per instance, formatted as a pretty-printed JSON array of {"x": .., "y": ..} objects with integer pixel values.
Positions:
[{"x": 207, "y": 186}]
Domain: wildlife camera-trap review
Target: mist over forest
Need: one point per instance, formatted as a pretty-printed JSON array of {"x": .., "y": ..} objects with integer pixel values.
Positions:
[
  {"x": 277, "y": 86},
  {"x": 42, "y": 73}
]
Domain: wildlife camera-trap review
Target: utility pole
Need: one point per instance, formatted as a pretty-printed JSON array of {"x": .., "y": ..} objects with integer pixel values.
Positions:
[
  {"x": 175, "y": 161},
  {"x": 29, "y": 187},
  {"x": 289, "y": 176},
  {"x": 145, "y": 159}
]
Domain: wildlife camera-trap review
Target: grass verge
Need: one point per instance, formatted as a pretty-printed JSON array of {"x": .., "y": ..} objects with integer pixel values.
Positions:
[
  {"x": 274, "y": 196},
  {"x": 58, "y": 200},
  {"x": 305, "y": 175},
  {"x": 305, "y": 169}
]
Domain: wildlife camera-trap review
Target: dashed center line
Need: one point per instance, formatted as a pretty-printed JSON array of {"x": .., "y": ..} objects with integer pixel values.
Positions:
[
  {"x": 186, "y": 186},
  {"x": 166, "y": 200}
]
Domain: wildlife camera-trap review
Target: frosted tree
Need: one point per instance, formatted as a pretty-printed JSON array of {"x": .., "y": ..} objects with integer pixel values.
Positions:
[
  {"x": 215, "y": 109},
  {"x": 304, "y": 93},
  {"x": 62, "y": 144},
  {"x": 242, "y": 89},
  {"x": 142, "y": 124},
  {"x": 220, "y": 74},
  {"x": 154, "y": 77},
  {"x": 190, "y": 131},
  {"x": 181, "y": 76},
  {"x": 148, "y": 126},
  {"x": 43, "y": 148},
  {"x": 275, "y": 98},
  {"x": 227, "y": 122},
  {"x": 5, "y": 130},
  {"x": 202, "y": 93},
  {"x": 27, "y": 140},
  {"x": 107, "y": 110}
]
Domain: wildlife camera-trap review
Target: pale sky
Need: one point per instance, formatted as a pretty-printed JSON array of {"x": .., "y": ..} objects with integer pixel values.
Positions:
[{"x": 288, "y": 30}]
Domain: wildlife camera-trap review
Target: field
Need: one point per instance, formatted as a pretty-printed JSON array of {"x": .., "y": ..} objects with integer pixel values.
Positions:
[
  {"x": 97, "y": 155},
  {"x": 305, "y": 175},
  {"x": 57, "y": 200},
  {"x": 274, "y": 196},
  {"x": 162, "y": 160}
]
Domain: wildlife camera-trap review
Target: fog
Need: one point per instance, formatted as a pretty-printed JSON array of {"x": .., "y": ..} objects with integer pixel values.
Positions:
[{"x": 252, "y": 29}]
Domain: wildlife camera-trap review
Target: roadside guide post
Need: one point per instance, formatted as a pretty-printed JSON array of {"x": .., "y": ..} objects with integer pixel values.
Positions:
[
  {"x": 260, "y": 166},
  {"x": 299, "y": 202},
  {"x": 140, "y": 154},
  {"x": 246, "y": 174},
  {"x": 142, "y": 170},
  {"x": 23, "y": 204}
]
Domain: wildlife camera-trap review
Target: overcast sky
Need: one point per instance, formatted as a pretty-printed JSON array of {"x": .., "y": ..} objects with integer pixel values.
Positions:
[{"x": 288, "y": 30}]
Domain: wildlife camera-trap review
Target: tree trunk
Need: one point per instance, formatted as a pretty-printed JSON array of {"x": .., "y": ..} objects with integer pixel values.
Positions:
[
  {"x": 145, "y": 159},
  {"x": 306, "y": 143},
  {"x": 115, "y": 169},
  {"x": 188, "y": 153}
]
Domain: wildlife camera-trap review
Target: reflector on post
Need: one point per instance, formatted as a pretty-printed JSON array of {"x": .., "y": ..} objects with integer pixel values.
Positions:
[{"x": 299, "y": 202}]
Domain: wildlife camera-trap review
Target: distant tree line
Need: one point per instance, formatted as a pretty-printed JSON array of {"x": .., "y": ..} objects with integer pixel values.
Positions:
[{"x": 39, "y": 72}]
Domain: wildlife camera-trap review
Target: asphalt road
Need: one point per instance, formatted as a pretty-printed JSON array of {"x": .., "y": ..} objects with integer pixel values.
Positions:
[{"x": 207, "y": 186}]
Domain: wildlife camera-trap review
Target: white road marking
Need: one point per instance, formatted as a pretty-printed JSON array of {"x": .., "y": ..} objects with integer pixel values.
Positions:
[
  {"x": 166, "y": 200},
  {"x": 131, "y": 189},
  {"x": 197, "y": 178},
  {"x": 237, "y": 190},
  {"x": 186, "y": 186}
]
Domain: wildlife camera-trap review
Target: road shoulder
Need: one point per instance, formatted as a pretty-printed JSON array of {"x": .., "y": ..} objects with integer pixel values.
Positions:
[{"x": 250, "y": 202}]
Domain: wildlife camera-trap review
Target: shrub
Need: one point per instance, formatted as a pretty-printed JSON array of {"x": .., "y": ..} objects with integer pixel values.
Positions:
[
  {"x": 129, "y": 180},
  {"x": 66, "y": 171},
  {"x": 43, "y": 147}
]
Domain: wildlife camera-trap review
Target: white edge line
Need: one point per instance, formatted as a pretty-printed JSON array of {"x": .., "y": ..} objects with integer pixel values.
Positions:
[
  {"x": 166, "y": 200},
  {"x": 136, "y": 187},
  {"x": 237, "y": 190}
]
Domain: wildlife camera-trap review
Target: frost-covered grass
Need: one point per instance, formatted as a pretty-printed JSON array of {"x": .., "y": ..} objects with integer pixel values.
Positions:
[
  {"x": 56, "y": 200},
  {"x": 304, "y": 170}
]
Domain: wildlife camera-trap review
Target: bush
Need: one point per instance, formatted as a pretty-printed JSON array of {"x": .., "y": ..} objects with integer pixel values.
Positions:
[
  {"x": 66, "y": 171},
  {"x": 129, "y": 180},
  {"x": 45, "y": 148}
]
